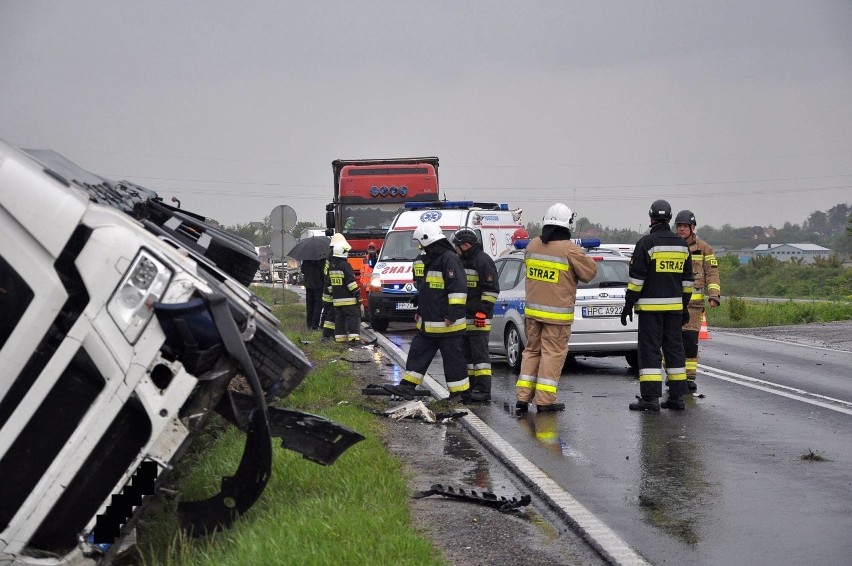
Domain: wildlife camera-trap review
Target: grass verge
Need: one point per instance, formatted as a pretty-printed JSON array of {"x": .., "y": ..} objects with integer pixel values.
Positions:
[
  {"x": 352, "y": 512},
  {"x": 737, "y": 313}
]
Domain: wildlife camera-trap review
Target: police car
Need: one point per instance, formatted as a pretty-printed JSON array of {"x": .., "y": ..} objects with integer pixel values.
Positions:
[{"x": 597, "y": 330}]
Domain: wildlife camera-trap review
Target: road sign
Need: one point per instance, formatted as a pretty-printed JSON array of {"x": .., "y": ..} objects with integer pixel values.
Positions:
[
  {"x": 281, "y": 244},
  {"x": 282, "y": 218}
]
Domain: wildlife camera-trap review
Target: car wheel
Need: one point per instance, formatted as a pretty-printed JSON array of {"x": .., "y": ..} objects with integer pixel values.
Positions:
[
  {"x": 514, "y": 347},
  {"x": 632, "y": 358},
  {"x": 379, "y": 324}
]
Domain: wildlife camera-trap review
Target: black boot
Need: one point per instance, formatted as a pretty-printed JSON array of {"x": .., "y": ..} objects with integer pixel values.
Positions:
[
  {"x": 674, "y": 403},
  {"x": 645, "y": 404},
  {"x": 477, "y": 396},
  {"x": 405, "y": 389},
  {"x": 691, "y": 385},
  {"x": 521, "y": 407},
  {"x": 480, "y": 389}
]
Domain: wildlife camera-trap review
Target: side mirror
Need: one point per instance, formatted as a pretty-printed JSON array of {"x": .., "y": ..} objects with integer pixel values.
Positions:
[{"x": 329, "y": 220}]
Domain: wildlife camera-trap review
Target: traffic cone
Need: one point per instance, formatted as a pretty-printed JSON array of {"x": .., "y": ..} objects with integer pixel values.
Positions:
[{"x": 703, "y": 334}]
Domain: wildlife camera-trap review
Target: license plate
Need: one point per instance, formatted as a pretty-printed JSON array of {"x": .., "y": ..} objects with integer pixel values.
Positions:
[
  {"x": 405, "y": 306},
  {"x": 602, "y": 312}
]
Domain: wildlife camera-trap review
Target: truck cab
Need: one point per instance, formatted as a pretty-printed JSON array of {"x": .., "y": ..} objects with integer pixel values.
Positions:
[
  {"x": 117, "y": 342},
  {"x": 392, "y": 291}
]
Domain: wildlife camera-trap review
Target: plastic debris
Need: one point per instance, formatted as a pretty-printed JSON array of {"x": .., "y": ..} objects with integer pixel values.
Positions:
[{"x": 411, "y": 410}]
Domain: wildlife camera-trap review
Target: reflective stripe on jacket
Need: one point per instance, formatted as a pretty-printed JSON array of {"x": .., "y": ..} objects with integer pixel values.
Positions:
[
  {"x": 442, "y": 293},
  {"x": 344, "y": 287},
  {"x": 660, "y": 276},
  {"x": 482, "y": 287},
  {"x": 705, "y": 270},
  {"x": 552, "y": 272}
]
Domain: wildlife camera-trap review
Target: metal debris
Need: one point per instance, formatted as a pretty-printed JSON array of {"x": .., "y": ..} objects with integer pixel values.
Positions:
[{"x": 500, "y": 503}]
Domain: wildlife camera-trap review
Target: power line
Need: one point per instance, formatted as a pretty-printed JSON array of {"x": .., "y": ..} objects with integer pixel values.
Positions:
[{"x": 580, "y": 187}]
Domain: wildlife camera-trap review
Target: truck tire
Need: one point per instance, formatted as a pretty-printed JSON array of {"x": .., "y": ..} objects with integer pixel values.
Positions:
[{"x": 632, "y": 358}]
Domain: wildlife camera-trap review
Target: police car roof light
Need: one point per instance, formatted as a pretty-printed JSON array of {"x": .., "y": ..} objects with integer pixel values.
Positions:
[{"x": 587, "y": 242}]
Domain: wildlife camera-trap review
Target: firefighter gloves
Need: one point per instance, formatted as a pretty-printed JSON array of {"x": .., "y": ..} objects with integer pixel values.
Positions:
[
  {"x": 626, "y": 312},
  {"x": 684, "y": 317},
  {"x": 479, "y": 319}
]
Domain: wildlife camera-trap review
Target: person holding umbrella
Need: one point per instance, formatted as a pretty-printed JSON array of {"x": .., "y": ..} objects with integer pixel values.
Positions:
[{"x": 313, "y": 271}]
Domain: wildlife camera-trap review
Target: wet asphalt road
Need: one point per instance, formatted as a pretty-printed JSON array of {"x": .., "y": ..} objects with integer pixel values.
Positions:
[{"x": 720, "y": 483}]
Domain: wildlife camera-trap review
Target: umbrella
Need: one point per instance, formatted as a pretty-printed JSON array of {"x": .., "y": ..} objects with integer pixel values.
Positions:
[{"x": 315, "y": 247}]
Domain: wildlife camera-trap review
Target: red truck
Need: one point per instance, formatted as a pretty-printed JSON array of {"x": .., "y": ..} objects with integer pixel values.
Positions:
[{"x": 368, "y": 194}]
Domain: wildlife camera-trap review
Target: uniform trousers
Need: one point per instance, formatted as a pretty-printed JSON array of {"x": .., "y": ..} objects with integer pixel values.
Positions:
[
  {"x": 690, "y": 339},
  {"x": 543, "y": 359},
  {"x": 661, "y": 330},
  {"x": 422, "y": 351},
  {"x": 475, "y": 348}
]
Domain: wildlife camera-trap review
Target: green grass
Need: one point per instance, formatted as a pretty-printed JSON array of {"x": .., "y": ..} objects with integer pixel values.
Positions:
[
  {"x": 352, "y": 512},
  {"x": 737, "y": 313}
]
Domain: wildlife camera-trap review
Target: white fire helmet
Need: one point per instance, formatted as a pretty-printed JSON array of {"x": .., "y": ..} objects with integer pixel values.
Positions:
[
  {"x": 428, "y": 233},
  {"x": 558, "y": 215},
  {"x": 341, "y": 249}
]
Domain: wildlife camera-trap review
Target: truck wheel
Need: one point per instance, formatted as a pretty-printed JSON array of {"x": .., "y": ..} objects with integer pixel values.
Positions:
[
  {"x": 514, "y": 347},
  {"x": 632, "y": 358}
]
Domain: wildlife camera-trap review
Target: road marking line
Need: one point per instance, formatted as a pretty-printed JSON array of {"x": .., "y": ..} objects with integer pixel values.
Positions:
[
  {"x": 785, "y": 342},
  {"x": 597, "y": 534},
  {"x": 778, "y": 389}
]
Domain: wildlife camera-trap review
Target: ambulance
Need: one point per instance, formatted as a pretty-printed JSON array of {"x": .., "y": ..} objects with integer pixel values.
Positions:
[{"x": 392, "y": 290}]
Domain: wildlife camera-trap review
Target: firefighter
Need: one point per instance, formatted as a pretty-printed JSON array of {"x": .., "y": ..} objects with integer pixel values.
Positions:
[
  {"x": 705, "y": 271},
  {"x": 372, "y": 256},
  {"x": 554, "y": 265},
  {"x": 659, "y": 289},
  {"x": 482, "y": 291},
  {"x": 345, "y": 296},
  {"x": 327, "y": 320},
  {"x": 440, "y": 316}
]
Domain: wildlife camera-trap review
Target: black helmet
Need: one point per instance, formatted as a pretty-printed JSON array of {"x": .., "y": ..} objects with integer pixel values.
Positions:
[
  {"x": 685, "y": 217},
  {"x": 660, "y": 210},
  {"x": 465, "y": 236}
]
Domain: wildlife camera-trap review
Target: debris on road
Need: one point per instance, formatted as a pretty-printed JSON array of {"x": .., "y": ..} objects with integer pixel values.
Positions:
[
  {"x": 411, "y": 410},
  {"x": 501, "y": 503}
]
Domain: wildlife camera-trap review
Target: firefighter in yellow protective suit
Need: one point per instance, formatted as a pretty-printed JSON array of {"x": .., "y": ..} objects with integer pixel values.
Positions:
[
  {"x": 705, "y": 271},
  {"x": 554, "y": 264}
]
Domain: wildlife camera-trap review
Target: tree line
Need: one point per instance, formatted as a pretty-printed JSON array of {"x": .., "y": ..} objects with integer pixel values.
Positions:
[{"x": 831, "y": 228}]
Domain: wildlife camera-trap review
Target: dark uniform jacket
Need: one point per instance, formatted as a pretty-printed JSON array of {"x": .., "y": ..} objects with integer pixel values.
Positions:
[
  {"x": 313, "y": 270},
  {"x": 660, "y": 272},
  {"x": 442, "y": 293},
  {"x": 482, "y": 286},
  {"x": 343, "y": 287}
]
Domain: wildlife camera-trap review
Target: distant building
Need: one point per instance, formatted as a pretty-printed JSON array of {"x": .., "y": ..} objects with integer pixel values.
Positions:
[
  {"x": 311, "y": 231},
  {"x": 785, "y": 252}
]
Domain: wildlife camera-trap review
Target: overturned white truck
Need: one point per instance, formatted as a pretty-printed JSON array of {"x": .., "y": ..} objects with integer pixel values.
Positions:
[{"x": 123, "y": 322}]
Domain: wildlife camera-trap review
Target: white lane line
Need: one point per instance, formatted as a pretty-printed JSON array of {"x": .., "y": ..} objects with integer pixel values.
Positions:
[
  {"x": 776, "y": 340},
  {"x": 612, "y": 547},
  {"x": 777, "y": 389}
]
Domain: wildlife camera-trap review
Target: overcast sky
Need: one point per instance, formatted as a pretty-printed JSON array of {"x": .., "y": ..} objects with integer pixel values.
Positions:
[{"x": 740, "y": 111}]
